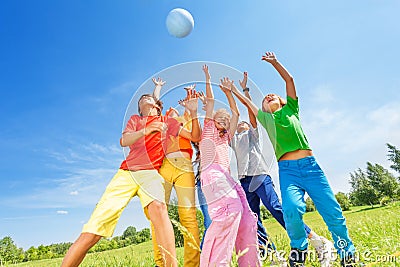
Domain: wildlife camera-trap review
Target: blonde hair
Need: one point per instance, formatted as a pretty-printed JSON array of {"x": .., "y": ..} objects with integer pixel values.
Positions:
[{"x": 222, "y": 111}]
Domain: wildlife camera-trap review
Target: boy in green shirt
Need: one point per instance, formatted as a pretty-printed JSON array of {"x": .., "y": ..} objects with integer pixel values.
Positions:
[{"x": 299, "y": 172}]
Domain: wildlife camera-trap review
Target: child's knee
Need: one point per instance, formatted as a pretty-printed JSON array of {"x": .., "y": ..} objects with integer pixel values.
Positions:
[{"x": 156, "y": 208}]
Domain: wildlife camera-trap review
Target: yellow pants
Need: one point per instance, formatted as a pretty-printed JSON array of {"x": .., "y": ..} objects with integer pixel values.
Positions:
[
  {"x": 147, "y": 184},
  {"x": 178, "y": 173}
]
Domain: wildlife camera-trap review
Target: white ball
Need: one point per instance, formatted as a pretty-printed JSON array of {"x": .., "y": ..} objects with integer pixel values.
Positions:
[{"x": 179, "y": 22}]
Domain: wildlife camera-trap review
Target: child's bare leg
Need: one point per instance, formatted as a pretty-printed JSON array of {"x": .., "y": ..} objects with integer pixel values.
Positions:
[
  {"x": 158, "y": 215},
  {"x": 78, "y": 250}
]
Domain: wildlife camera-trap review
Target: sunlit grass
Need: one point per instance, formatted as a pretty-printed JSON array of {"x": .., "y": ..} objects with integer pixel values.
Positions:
[{"x": 375, "y": 232}]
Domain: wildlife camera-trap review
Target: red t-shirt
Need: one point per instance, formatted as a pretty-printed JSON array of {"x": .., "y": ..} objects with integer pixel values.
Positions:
[{"x": 148, "y": 152}]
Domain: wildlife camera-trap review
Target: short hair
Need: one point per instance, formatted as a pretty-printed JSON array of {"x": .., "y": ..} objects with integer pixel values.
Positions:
[
  {"x": 159, "y": 103},
  {"x": 223, "y": 111},
  {"x": 281, "y": 101}
]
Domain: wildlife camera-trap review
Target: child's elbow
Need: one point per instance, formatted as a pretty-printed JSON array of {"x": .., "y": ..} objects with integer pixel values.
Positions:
[{"x": 121, "y": 142}]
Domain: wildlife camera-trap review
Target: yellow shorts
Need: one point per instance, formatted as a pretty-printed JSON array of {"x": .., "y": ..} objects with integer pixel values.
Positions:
[{"x": 148, "y": 185}]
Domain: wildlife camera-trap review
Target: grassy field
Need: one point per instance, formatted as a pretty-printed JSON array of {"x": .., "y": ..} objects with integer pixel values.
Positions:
[{"x": 375, "y": 232}]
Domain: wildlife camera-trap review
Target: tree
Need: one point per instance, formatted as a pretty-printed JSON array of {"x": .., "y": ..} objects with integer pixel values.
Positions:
[
  {"x": 394, "y": 157},
  {"x": 369, "y": 187},
  {"x": 9, "y": 252},
  {"x": 31, "y": 254},
  {"x": 343, "y": 200},
  {"x": 129, "y": 232},
  {"x": 362, "y": 192},
  {"x": 143, "y": 235},
  {"x": 382, "y": 180}
]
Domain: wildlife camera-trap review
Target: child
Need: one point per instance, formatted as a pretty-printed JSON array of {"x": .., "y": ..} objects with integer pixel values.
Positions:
[
  {"x": 177, "y": 172},
  {"x": 137, "y": 176},
  {"x": 253, "y": 176},
  {"x": 233, "y": 224},
  {"x": 298, "y": 171}
]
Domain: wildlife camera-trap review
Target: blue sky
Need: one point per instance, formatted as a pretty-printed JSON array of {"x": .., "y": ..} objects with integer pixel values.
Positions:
[{"x": 70, "y": 68}]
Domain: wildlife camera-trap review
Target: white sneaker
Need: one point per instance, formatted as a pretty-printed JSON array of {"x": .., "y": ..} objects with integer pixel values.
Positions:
[{"x": 325, "y": 250}]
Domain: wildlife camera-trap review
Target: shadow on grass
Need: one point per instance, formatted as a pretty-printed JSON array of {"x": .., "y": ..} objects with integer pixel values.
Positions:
[{"x": 366, "y": 208}]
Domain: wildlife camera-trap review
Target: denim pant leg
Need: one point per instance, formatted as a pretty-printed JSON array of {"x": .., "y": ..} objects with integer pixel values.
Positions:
[
  {"x": 204, "y": 210},
  {"x": 269, "y": 198},
  {"x": 266, "y": 192},
  {"x": 254, "y": 203},
  {"x": 293, "y": 203},
  {"x": 317, "y": 186}
]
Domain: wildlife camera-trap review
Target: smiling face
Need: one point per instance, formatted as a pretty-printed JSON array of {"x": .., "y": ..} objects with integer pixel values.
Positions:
[
  {"x": 242, "y": 126},
  {"x": 272, "y": 103},
  {"x": 222, "y": 119}
]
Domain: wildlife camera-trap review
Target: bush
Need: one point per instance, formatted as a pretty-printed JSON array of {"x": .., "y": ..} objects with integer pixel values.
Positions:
[{"x": 343, "y": 200}]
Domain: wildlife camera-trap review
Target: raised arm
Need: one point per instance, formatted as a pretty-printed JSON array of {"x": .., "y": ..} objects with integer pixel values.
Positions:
[
  {"x": 191, "y": 105},
  {"x": 245, "y": 89},
  {"x": 246, "y": 101},
  {"x": 209, "y": 94},
  {"x": 190, "y": 93},
  {"x": 290, "y": 87},
  {"x": 158, "y": 84},
  {"x": 226, "y": 87}
]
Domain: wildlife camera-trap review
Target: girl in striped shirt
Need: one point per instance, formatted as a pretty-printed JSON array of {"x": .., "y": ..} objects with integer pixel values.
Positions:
[{"x": 233, "y": 223}]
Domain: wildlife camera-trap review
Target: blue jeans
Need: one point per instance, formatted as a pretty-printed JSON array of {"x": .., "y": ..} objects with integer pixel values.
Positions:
[
  {"x": 305, "y": 175},
  {"x": 204, "y": 210},
  {"x": 265, "y": 192}
]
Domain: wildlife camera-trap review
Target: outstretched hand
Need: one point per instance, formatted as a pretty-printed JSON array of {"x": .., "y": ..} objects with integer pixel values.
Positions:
[
  {"x": 269, "y": 57},
  {"x": 190, "y": 90},
  {"x": 203, "y": 99},
  {"x": 190, "y": 102},
  {"x": 205, "y": 69},
  {"x": 243, "y": 83},
  {"x": 226, "y": 85},
  {"x": 158, "y": 81}
]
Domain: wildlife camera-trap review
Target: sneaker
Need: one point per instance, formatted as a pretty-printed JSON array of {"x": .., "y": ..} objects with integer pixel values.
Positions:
[
  {"x": 297, "y": 257},
  {"x": 325, "y": 252}
]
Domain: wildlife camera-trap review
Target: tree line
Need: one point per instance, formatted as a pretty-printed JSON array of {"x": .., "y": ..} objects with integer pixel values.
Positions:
[{"x": 10, "y": 253}]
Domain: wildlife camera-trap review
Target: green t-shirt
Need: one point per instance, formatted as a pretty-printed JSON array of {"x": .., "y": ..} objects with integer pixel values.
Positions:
[{"x": 284, "y": 129}]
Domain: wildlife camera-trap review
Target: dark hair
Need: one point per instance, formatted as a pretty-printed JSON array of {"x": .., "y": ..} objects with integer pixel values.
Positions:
[{"x": 159, "y": 103}]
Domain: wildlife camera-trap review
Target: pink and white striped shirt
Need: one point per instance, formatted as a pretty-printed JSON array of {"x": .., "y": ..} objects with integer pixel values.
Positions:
[{"x": 213, "y": 148}]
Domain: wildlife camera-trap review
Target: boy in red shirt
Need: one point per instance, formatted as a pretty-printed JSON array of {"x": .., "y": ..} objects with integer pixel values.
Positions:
[{"x": 145, "y": 134}]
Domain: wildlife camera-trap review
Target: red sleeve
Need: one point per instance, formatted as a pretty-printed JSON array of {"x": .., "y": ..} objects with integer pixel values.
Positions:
[
  {"x": 173, "y": 126},
  {"x": 131, "y": 125}
]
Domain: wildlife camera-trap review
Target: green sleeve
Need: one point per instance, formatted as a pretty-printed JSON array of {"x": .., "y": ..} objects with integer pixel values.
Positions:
[
  {"x": 293, "y": 104},
  {"x": 264, "y": 118}
]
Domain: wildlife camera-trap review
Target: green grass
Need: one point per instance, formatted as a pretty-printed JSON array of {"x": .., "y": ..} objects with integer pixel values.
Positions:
[{"x": 375, "y": 232}]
